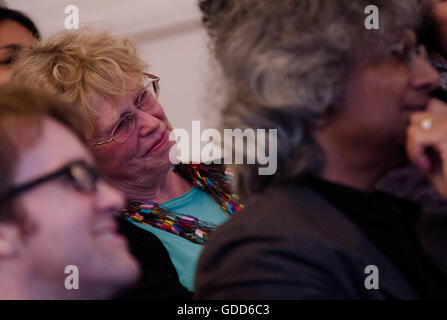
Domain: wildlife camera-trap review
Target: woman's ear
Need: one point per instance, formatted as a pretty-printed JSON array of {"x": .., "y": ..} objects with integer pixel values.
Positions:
[{"x": 9, "y": 240}]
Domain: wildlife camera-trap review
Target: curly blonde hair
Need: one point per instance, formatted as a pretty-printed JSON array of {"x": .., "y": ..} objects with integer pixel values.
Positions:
[{"x": 81, "y": 66}]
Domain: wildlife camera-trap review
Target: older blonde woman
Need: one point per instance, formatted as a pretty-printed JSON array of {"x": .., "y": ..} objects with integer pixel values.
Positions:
[{"x": 128, "y": 133}]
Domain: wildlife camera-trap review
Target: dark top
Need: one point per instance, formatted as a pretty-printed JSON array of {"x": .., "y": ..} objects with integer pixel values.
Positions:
[
  {"x": 440, "y": 94},
  {"x": 390, "y": 223},
  {"x": 159, "y": 280},
  {"x": 313, "y": 241},
  {"x": 409, "y": 183}
]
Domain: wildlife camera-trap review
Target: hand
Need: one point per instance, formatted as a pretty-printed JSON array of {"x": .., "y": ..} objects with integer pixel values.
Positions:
[{"x": 427, "y": 148}]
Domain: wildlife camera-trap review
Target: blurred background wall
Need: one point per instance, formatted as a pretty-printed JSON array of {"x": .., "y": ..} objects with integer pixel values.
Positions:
[{"x": 169, "y": 37}]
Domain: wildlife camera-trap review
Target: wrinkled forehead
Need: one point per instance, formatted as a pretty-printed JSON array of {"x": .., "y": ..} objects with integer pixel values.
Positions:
[{"x": 54, "y": 148}]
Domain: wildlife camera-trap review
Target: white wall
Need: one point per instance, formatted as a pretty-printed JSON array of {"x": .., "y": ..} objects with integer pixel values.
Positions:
[{"x": 168, "y": 34}]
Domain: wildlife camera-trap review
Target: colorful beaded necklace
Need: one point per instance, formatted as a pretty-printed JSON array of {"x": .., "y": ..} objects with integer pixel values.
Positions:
[{"x": 212, "y": 179}]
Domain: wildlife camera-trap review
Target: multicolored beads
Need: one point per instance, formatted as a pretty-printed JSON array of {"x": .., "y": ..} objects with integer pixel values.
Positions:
[{"x": 216, "y": 182}]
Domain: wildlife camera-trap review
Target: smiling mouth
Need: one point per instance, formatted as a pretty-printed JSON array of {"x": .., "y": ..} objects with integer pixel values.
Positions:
[
  {"x": 158, "y": 144},
  {"x": 109, "y": 233}
]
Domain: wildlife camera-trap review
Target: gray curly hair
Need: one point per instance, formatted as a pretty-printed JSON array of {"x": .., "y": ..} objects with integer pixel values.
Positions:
[{"x": 286, "y": 63}]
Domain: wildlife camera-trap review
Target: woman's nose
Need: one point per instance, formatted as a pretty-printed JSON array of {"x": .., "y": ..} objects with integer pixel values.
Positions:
[
  {"x": 147, "y": 123},
  {"x": 424, "y": 76}
]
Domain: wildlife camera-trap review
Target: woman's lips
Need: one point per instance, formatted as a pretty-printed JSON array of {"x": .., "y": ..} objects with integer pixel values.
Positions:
[
  {"x": 416, "y": 108},
  {"x": 159, "y": 144}
]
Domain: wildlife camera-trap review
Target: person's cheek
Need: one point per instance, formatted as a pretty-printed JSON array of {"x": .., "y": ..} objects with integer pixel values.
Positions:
[
  {"x": 63, "y": 234},
  {"x": 162, "y": 116},
  {"x": 440, "y": 15},
  {"x": 109, "y": 158},
  {"x": 5, "y": 73}
]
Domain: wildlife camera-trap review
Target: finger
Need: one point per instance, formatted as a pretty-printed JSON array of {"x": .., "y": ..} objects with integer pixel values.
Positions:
[
  {"x": 416, "y": 146},
  {"x": 423, "y": 163},
  {"x": 417, "y": 117},
  {"x": 436, "y": 106},
  {"x": 442, "y": 149},
  {"x": 419, "y": 143},
  {"x": 438, "y": 124}
]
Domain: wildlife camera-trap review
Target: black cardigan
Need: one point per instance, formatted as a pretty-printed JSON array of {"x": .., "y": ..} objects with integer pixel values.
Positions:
[{"x": 159, "y": 280}]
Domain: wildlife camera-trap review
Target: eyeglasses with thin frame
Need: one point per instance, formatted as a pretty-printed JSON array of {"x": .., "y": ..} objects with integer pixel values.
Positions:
[
  {"x": 408, "y": 50},
  {"x": 146, "y": 99},
  {"x": 82, "y": 177}
]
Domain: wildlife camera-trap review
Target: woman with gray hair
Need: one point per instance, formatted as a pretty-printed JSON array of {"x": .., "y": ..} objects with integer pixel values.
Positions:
[{"x": 341, "y": 97}]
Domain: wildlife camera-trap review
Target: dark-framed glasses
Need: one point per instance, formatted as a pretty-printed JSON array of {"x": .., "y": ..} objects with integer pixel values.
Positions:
[
  {"x": 82, "y": 177},
  {"x": 146, "y": 98}
]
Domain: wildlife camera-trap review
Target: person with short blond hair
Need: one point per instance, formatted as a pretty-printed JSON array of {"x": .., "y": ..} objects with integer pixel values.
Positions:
[
  {"x": 82, "y": 68},
  {"x": 128, "y": 133}
]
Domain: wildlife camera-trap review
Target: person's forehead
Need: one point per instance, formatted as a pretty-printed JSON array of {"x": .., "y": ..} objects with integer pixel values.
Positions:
[
  {"x": 12, "y": 32},
  {"x": 55, "y": 147}
]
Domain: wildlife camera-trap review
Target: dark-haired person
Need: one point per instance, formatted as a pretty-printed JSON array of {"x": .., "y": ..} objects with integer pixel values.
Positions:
[
  {"x": 342, "y": 98},
  {"x": 17, "y": 32},
  {"x": 433, "y": 33},
  {"x": 408, "y": 182},
  {"x": 56, "y": 210}
]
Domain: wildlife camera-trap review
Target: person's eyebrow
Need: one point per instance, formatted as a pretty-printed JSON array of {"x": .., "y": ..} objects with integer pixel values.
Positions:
[
  {"x": 12, "y": 46},
  {"x": 138, "y": 95}
]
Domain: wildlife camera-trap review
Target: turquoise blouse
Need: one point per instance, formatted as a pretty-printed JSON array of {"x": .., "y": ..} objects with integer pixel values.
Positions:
[{"x": 184, "y": 253}]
